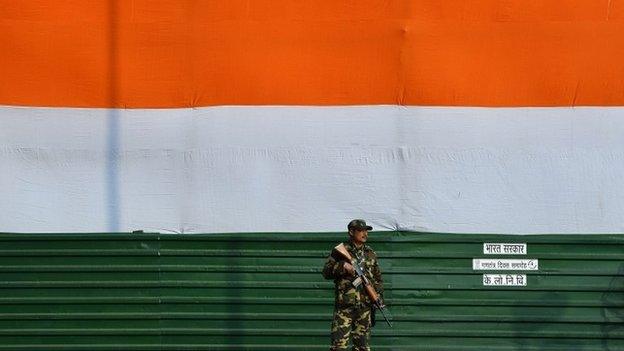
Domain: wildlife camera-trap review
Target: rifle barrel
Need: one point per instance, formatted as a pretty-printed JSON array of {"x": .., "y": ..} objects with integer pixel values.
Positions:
[{"x": 385, "y": 317}]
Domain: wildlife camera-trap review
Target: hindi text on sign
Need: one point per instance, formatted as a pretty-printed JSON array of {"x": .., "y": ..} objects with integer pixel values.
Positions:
[{"x": 504, "y": 249}]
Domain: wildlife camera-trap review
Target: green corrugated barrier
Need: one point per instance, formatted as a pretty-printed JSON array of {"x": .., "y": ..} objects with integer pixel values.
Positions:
[{"x": 265, "y": 292}]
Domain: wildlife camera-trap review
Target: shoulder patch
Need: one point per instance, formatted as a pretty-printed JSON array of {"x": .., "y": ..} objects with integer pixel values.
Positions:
[{"x": 370, "y": 252}]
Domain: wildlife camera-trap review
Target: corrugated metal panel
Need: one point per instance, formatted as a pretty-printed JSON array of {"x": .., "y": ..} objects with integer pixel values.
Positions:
[{"x": 265, "y": 292}]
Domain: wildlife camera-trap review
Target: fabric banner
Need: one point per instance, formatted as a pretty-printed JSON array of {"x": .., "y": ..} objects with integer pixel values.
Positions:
[
  {"x": 281, "y": 169},
  {"x": 230, "y": 116}
]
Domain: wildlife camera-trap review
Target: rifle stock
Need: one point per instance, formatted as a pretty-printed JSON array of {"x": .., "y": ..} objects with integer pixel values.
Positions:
[{"x": 344, "y": 252}]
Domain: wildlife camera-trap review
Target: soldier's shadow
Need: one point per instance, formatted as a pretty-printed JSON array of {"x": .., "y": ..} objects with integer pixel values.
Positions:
[{"x": 613, "y": 310}]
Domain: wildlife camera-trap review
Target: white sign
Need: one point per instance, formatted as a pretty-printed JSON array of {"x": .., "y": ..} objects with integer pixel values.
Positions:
[
  {"x": 504, "y": 249},
  {"x": 504, "y": 280},
  {"x": 505, "y": 264}
]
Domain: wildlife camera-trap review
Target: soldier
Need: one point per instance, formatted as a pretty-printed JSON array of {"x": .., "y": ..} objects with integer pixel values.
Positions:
[{"x": 352, "y": 307}]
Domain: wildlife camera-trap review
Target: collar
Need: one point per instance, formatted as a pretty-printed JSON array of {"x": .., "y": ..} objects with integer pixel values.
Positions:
[{"x": 355, "y": 248}]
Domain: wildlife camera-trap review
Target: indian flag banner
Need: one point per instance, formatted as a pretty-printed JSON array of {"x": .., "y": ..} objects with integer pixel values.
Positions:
[{"x": 474, "y": 116}]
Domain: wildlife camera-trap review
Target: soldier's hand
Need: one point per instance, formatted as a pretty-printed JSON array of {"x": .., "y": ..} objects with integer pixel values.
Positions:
[{"x": 349, "y": 268}]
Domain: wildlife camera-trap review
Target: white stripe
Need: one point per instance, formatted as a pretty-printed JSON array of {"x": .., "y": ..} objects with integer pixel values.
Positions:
[{"x": 240, "y": 169}]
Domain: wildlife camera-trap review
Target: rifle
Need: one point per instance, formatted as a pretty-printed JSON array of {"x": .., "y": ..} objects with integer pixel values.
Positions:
[{"x": 361, "y": 279}]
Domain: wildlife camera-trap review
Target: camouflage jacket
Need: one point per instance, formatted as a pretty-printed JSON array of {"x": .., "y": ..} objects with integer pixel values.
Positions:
[{"x": 345, "y": 294}]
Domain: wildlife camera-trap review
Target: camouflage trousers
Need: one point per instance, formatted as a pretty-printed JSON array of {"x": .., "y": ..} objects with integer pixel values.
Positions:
[{"x": 354, "y": 322}]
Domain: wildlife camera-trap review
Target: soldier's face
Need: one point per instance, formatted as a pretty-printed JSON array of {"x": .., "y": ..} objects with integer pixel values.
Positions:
[{"x": 359, "y": 236}]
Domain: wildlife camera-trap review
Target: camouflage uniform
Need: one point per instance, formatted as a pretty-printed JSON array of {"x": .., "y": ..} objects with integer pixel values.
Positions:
[{"x": 352, "y": 307}]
